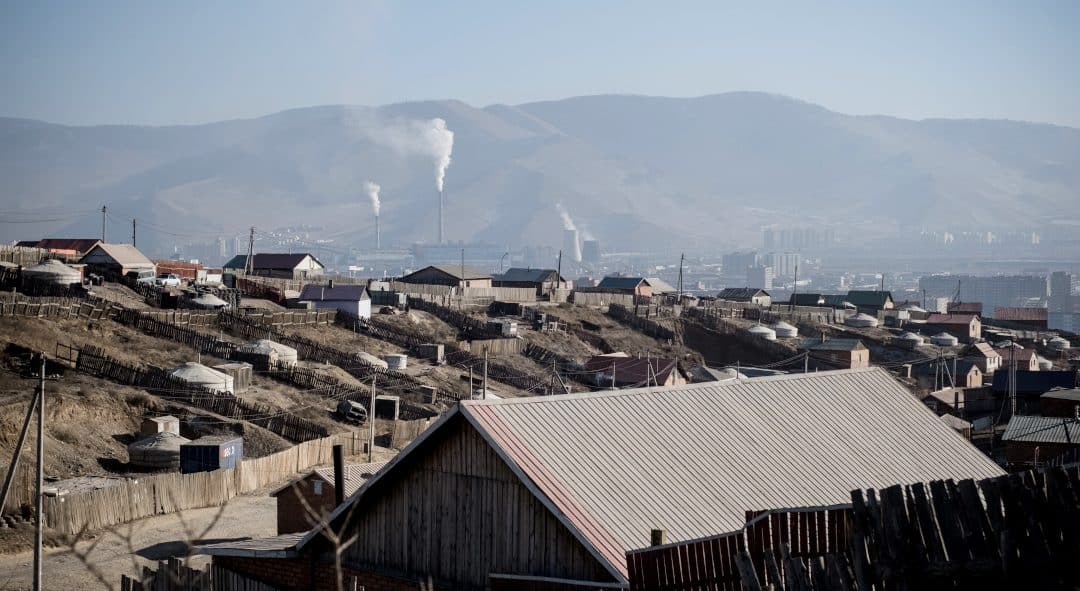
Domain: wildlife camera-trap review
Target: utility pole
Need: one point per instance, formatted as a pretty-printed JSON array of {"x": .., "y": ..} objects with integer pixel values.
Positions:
[
  {"x": 133, "y": 231},
  {"x": 559, "y": 267},
  {"x": 371, "y": 424},
  {"x": 18, "y": 450},
  {"x": 682, "y": 257},
  {"x": 1012, "y": 379},
  {"x": 483, "y": 396},
  {"x": 794, "y": 290},
  {"x": 551, "y": 388},
  {"x": 472, "y": 384},
  {"x": 104, "y": 210},
  {"x": 806, "y": 362},
  {"x": 613, "y": 375},
  {"x": 39, "y": 509},
  {"x": 249, "y": 265}
]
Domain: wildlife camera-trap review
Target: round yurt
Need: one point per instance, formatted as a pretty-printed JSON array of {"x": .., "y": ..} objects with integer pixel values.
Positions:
[
  {"x": 396, "y": 361},
  {"x": 53, "y": 271},
  {"x": 371, "y": 359},
  {"x": 1058, "y": 344},
  {"x": 273, "y": 351},
  {"x": 910, "y": 340},
  {"x": 861, "y": 321},
  {"x": 209, "y": 301},
  {"x": 785, "y": 330},
  {"x": 1045, "y": 364},
  {"x": 160, "y": 451},
  {"x": 763, "y": 332},
  {"x": 199, "y": 375},
  {"x": 944, "y": 339}
]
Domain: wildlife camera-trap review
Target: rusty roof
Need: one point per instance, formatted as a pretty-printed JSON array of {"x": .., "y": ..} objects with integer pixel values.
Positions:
[{"x": 1020, "y": 314}]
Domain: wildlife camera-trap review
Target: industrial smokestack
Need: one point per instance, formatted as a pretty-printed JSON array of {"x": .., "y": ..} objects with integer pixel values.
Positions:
[
  {"x": 378, "y": 236},
  {"x": 440, "y": 215},
  {"x": 376, "y": 206},
  {"x": 571, "y": 245}
]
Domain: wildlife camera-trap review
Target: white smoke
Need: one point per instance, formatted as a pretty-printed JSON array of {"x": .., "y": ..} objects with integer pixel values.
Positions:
[
  {"x": 373, "y": 194},
  {"x": 410, "y": 137},
  {"x": 567, "y": 221}
]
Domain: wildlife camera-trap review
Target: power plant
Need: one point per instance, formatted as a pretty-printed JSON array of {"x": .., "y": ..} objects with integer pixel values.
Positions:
[{"x": 571, "y": 245}]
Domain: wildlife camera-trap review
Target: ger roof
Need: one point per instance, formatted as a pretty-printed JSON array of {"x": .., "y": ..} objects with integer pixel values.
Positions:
[
  {"x": 337, "y": 293},
  {"x": 693, "y": 459}
]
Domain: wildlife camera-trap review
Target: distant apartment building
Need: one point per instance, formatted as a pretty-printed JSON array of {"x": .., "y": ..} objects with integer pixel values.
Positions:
[
  {"x": 759, "y": 277},
  {"x": 799, "y": 238},
  {"x": 736, "y": 263},
  {"x": 783, "y": 264},
  {"x": 1002, "y": 291}
]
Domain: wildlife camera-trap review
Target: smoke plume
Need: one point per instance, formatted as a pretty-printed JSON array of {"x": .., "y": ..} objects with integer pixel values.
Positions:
[
  {"x": 409, "y": 137},
  {"x": 373, "y": 194},
  {"x": 567, "y": 221}
]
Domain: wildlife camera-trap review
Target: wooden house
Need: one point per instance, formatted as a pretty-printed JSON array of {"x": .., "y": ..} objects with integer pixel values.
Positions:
[
  {"x": 1032, "y": 440},
  {"x": 748, "y": 295},
  {"x": 349, "y": 298},
  {"x": 117, "y": 259},
  {"x": 870, "y": 302},
  {"x": 622, "y": 371},
  {"x": 841, "y": 353},
  {"x": 296, "y": 266},
  {"x": 1021, "y": 318},
  {"x": 965, "y": 327},
  {"x": 551, "y": 492},
  {"x": 317, "y": 490},
  {"x": 637, "y": 286},
  {"x": 544, "y": 281},
  {"x": 67, "y": 247},
  {"x": 985, "y": 357},
  {"x": 449, "y": 275}
]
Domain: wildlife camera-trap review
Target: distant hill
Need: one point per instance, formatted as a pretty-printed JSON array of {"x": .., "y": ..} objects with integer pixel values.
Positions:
[{"x": 636, "y": 172}]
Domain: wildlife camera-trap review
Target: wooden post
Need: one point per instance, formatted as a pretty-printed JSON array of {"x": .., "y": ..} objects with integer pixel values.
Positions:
[
  {"x": 371, "y": 423},
  {"x": 39, "y": 512},
  {"x": 483, "y": 395},
  {"x": 18, "y": 451}
]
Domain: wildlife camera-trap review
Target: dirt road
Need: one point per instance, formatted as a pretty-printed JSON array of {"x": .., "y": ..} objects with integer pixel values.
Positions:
[{"x": 152, "y": 539}]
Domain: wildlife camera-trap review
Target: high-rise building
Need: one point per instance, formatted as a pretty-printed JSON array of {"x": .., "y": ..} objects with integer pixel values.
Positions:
[
  {"x": 783, "y": 264},
  {"x": 735, "y": 264},
  {"x": 993, "y": 291},
  {"x": 759, "y": 277},
  {"x": 1060, "y": 290}
]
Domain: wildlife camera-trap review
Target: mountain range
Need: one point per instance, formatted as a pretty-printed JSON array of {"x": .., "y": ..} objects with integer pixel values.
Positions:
[{"x": 636, "y": 172}]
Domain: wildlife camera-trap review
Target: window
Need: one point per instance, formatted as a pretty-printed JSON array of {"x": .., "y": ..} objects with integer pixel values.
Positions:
[{"x": 318, "y": 487}]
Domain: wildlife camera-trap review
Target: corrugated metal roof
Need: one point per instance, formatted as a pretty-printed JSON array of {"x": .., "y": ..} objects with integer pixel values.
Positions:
[
  {"x": 869, "y": 298},
  {"x": 355, "y": 475},
  {"x": 659, "y": 286},
  {"x": 283, "y": 546},
  {"x": 1064, "y": 394},
  {"x": 964, "y": 307},
  {"x": 620, "y": 282},
  {"x": 813, "y": 344},
  {"x": 122, "y": 254},
  {"x": 454, "y": 271},
  {"x": 1021, "y": 314},
  {"x": 270, "y": 260},
  {"x": 523, "y": 275},
  {"x": 693, "y": 459},
  {"x": 338, "y": 293},
  {"x": 1033, "y": 382},
  {"x": 76, "y": 244},
  {"x": 984, "y": 350},
  {"x": 740, "y": 294},
  {"x": 950, "y": 319},
  {"x": 1042, "y": 430}
]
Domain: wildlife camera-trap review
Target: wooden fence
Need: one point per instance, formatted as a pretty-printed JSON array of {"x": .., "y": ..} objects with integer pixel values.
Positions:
[
  {"x": 647, "y": 326},
  {"x": 168, "y": 493},
  {"x": 334, "y": 389},
  {"x": 715, "y": 320},
  {"x": 173, "y": 575},
  {"x": 470, "y": 327},
  {"x": 160, "y": 383},
  {"x": 1020, "y": 531}
]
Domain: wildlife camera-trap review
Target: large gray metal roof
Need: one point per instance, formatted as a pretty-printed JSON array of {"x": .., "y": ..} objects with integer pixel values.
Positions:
[
  {"x": 1043, "y": 430},
  {"x": 693, "y": 459}
]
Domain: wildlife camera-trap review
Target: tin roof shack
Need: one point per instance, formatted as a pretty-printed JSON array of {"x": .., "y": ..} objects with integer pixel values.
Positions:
[
  {"x": 870, "y": 302},
  {"x": 69, "y": 247},
  {"x": 963, "y": 374},
  {"x": 985, "y": 357},
  {"x": 240, "y": 372},
  {"x": 351, "y": 299},
  {"x": 842, "y": 353},
  {"x": 316, "y": 488},
  {"x": 281, "y": 265},
  {"x": 163, "y": 424},
  {"x": 1060, "y": 402},
  {"x": 624, "y": 371},
  {"x": 965, "y": 327},
  {"x": 749, "y": 295},
  {"x": 967, "y": 402},
  {"x": 449, "y": 275},
  {"x": 211, "y": 453},
  {"x": 806, "y": 299},
  {"x": 117, "y": 260},
  {"x": 661, "y": 287},
  {"x": 1021, "y": 318},
  {"x": 637, "y": 286},
  {"x": 550, "y": 492},
  {"x": 1031, "y": 441},
  {"x": 544, "y": 281}
]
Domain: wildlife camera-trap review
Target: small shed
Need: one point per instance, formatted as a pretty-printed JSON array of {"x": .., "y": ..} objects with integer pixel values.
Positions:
[
  {"x": 155, "y": 425},
  {"x": 241, "y": 373},
  {"x": 199, "y": 375},
  {"x": 160, "y": 451},
  {"x": 387, "y": 407},
  {"x": 210, "y": 453}
]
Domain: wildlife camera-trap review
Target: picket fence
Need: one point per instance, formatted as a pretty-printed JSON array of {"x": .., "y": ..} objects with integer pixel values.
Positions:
[{"x": 169, "y": 493}]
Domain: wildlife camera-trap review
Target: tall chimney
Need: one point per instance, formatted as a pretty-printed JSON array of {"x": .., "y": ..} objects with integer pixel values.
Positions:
[
  {"x": 378, "y": 237},
  {"x": 440, "y": 217}
]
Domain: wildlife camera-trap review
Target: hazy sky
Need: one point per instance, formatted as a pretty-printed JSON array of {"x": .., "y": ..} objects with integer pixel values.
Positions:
[{"x": 110, "y": 61}]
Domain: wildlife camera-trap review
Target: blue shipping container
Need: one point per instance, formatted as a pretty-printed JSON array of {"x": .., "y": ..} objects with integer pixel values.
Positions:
[{"x": 211, "y": 453}]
